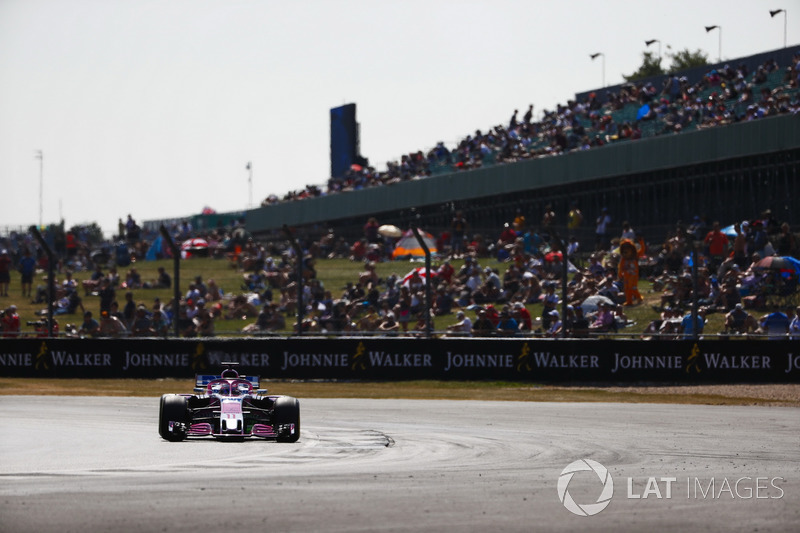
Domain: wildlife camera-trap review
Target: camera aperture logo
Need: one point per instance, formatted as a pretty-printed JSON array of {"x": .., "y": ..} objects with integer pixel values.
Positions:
[{"x": 586, "y": 509}]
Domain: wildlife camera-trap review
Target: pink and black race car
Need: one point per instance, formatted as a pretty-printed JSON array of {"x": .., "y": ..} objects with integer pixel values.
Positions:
[{"x": 229, "y": 406}]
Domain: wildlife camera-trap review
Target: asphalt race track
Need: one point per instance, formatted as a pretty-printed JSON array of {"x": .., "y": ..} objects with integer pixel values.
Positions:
[{"x": 97, "y": 464}]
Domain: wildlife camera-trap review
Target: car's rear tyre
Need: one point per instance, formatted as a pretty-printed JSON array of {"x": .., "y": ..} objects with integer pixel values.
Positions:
[
  {"x": 287, "y": 411},
  {"x": 173, "y": 409}
]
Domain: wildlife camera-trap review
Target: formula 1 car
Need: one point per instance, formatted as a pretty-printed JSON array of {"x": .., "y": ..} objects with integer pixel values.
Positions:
[{"x": 229, "y": 406}]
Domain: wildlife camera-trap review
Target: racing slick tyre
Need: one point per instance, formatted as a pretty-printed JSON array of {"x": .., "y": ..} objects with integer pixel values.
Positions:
[
  {"x": 287, "y": 411},
  {"x": 173, "y": 409}
]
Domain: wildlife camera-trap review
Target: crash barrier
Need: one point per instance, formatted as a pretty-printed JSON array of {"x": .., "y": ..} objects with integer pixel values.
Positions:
[{"x": 370, "y": 358}]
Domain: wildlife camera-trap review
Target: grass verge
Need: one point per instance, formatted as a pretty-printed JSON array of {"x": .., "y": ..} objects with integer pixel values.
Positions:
[{"x": 779, "y": 395}]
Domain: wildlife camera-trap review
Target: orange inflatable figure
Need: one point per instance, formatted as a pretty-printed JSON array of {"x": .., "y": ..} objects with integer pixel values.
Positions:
[{"x": 629, "y": 271}]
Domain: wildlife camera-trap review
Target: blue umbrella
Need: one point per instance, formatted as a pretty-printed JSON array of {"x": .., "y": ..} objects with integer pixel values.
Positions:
[
  {"x": 782, "y": 263},
  {"x": 645, "y": 109}
]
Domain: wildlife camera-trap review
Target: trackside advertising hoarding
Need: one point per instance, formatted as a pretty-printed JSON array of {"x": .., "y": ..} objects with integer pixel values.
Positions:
[{"x": 369, "y": 358}]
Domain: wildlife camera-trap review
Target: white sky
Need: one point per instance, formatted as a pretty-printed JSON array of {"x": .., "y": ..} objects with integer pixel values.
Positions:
[{"x": 154, "y": 108}]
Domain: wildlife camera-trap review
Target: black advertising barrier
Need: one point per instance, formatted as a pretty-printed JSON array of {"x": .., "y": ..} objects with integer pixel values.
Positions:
[{"x": 371, "y": 358}]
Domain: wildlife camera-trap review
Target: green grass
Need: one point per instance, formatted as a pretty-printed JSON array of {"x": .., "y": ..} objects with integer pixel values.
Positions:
[
  {"x": 421, "y": 389},
  {"x": 333, "y": 273}
]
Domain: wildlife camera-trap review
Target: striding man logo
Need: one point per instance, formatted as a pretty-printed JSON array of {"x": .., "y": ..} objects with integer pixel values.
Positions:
[
  {"x": 359, "y": 358},
  {"x": 42, "y": 358},
  {"x": 693, "y": 361},
  {"x": 198, "y": 358},
  {"x": 523, "y": 360}
]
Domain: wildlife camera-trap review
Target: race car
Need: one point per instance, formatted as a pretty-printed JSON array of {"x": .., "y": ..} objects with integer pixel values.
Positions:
[{"x": 229, "y": 406}]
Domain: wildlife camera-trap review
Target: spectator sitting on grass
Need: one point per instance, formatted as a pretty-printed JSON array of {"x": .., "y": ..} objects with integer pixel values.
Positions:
[
  {"x": 159, "y": 324},
  {"x": 389, "y": 324},
  {"x": 90, "y": 327},
  {"x": 740, "y": 321},
  {"x": 269, "y": 319},
  {"x": 204, "y": 322},
  {"x": 90, "y": 285},
  {"x": 141, "y": 324},
  {"x": 111, "y": 326},
  {"x": 462, "y": 328},
  {"x": 508, "y": 326},
  {"x": 133, "y": 280},
  {"x": 775, "y": 325},
  {"x": 556, "y": 325},
  {"x": 370, "y": 321},
  {"x": 483, "y": 326},
  {"x": 604, "y": 320}
]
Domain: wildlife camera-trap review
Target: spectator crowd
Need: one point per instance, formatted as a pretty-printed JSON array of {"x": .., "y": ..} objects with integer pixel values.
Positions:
[
  {"x": 481, "y": 285},
  {"x": 638, "y": 109}
]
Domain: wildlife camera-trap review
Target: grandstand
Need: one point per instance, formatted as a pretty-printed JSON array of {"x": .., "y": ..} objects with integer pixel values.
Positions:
[{"x": 727, "y": 172}]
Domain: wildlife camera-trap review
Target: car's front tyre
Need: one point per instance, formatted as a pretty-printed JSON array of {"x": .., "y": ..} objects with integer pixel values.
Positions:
[
  {"x": 173, "y": 412},
  {"x": 286, "y": 412}
]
